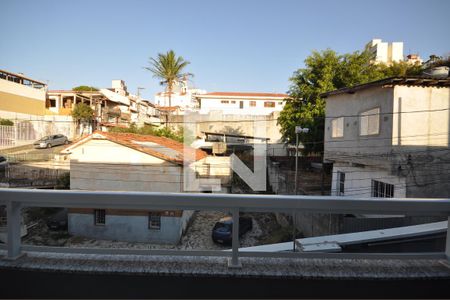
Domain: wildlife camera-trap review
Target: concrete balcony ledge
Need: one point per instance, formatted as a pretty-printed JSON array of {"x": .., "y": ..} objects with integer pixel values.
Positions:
[{"x": 185, "y": 266}]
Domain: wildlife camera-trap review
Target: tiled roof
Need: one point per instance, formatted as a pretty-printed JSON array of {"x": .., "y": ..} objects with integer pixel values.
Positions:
[
  {"x": 239, "y": 94},
  {"x": 173, "y": 151}
]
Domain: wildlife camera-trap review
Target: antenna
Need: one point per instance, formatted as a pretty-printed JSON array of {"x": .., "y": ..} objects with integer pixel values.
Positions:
[{"x": 139, "y": 91}]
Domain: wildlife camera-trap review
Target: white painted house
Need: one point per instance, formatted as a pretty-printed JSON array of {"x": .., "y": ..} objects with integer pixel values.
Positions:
[
  {"x": 232, "y": 103},
  {"x": 128, "y": 162},
  {"x": 390, "y": 138}
]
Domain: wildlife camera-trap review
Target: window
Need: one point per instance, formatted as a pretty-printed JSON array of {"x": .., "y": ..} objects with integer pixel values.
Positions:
[
  {"x": 370, "y": 122},
  {"x": 280, "y": 103},
  {"x": 337, "y": 127},
  {"x": 224, "y": 101},
  {"x": 233, "y": 102},
  {"x": 340, "y": 184},
  {"x": 269, "y": 104},
  {"x": 154, "y": 221},
  {"x": 252, "y": 103},
  {"x": 99, "y": 217},
  {"x": 382, "y": 189}
]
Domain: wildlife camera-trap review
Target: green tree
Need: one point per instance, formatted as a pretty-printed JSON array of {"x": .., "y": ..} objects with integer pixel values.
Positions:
[
  {"x": 325, "y": 71},
  {"x": 84, "y": 88},
  {"x": 6, "y": 122},
  {"x": 82, "y": 113},
  {"x": 168, "y": 68}
]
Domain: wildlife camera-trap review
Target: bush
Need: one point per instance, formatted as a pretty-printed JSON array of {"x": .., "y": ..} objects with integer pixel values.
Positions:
[
  {"x": 6, "y": 122},
  {"x": 63, "y": 182}
]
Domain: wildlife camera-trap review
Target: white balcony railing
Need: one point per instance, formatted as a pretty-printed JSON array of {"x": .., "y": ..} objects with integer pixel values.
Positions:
[{"x": 16, "y": 199}]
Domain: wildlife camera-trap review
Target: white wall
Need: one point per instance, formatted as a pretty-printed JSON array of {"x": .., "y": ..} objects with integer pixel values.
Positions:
[
  {"x": 358, "y": 181},
  {"x": 424, "y": 117},
  {"x": 208, "y": 105},
  {"x": 104, "y": 165},
  {"x": 22, "y": 90}
]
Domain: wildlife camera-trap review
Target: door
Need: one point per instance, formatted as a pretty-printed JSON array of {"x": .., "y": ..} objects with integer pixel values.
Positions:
[{"x": 241, "y": 104}]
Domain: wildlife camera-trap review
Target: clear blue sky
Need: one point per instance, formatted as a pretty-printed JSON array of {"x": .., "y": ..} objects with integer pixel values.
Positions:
[{"x": 232, "y": 45}]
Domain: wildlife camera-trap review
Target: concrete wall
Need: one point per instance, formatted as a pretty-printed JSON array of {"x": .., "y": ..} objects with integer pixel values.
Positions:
[
  {"x": 15, "y": 97},
  {"x": 234, "y": 124},
  {"x": 358, "y": 180},
  {"x": 350, "y": 106},
  {"x": 411, "y": 150},
  {"x": 126, "y": 228}
]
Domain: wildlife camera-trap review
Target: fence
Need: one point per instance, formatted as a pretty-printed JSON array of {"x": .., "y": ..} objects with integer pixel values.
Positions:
[
  {"x": 16, "y": 199},
  {"x": 24, "y": 176}
]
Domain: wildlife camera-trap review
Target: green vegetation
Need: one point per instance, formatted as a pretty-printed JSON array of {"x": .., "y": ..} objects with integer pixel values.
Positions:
[
  {"x": 168, "y": 68},
  {"x": 82, "y": 113},
  {"x": 325, "y": 71},
  {"x": 6, "y": 122},
  {"x": 84, "y": 88},
  {"x": 177, "y": 135},
  {"x": 63, "y": 182}
]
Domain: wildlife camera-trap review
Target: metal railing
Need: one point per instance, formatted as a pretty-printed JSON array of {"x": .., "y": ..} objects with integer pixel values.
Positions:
[{"x": 16, "y": 199}]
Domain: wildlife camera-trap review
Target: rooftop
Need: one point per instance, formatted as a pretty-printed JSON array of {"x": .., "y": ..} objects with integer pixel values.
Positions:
[
  {"x": 161, "y": 147},
  {"x": 392, "y": 81}
]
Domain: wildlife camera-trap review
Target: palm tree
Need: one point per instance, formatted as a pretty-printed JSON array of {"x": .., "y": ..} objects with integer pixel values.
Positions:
[{"x": 168, "y": 67}]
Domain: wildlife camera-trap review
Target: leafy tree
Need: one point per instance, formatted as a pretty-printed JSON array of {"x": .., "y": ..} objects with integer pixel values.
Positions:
[
  {"x": 6, "y": 122},
  {"x": 84, "y": 88},
  {"x": 82, "y": 113},
  {"x": 325, "y": 71},
  {"x": 168, "y": 68}
]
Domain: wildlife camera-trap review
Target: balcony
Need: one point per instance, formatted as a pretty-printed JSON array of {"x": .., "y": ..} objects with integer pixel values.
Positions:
[{"x": 203, "y": 273}]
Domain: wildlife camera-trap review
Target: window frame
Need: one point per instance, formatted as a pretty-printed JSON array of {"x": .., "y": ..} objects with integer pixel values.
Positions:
[
  {"x": 269, "y": 104},
  {"x": 158, "y": 221},
  {"x": 367, "y": 115},
  {"x": 380, "y": 189},
  {"x": 252, "y": 103},
  {"x": 340, "y": 184},
  {"x": 334, "y": 122},
  {"x": 99, "y": 220}
]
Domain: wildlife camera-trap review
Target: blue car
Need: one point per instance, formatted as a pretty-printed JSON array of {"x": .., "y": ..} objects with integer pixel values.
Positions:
[{"x": 223, "y": 230}]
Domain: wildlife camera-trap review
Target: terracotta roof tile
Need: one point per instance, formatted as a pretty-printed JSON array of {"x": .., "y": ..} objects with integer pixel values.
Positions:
[{"x": 129, "y": 139}]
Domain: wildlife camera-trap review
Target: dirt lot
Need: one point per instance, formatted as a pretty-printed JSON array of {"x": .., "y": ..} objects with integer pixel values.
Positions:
[{"x": 197, "y": 236}]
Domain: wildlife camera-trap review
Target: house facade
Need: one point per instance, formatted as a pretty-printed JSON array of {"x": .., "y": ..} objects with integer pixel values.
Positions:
[
  {"x": 390, "y": 138},
  {"x": 233, "y": 103},
  {"x": 128, "y": 162}
]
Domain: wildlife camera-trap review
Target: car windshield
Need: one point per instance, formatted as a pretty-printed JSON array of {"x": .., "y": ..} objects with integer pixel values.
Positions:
[{"x": 45, "y": 138}]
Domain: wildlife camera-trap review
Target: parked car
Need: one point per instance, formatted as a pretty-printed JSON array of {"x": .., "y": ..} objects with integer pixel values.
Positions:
[
  {"x": 51, "y": 140},
  {"x": 223, "y": 230},
  {"x": 58, "y": 221}
]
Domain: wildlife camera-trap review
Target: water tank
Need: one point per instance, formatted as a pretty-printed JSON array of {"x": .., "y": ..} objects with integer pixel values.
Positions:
[{"x": 437, "y": 72}]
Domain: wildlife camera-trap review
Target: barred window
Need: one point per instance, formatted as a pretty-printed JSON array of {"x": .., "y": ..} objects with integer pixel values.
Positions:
[
  {"x": 382, "y": 189},
  {"x": 99, "y": 217},
  {"x": 154, "y": 221}
]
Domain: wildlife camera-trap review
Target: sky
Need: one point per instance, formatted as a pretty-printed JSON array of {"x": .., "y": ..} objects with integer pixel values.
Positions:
[{"x": 242, "y": 46}]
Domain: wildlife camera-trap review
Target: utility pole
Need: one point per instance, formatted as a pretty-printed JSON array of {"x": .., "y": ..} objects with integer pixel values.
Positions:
[{"x": 298, "y": 129}]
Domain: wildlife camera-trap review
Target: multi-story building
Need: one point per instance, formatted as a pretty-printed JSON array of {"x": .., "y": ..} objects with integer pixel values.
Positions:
[
  {"x": 21, "y": 97},
  {"x": 384, "y": 52},
  {"x": 181, "y": 96},
  {"x": 233, "y": 103},
  {"x": 390, "y": 138}
]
